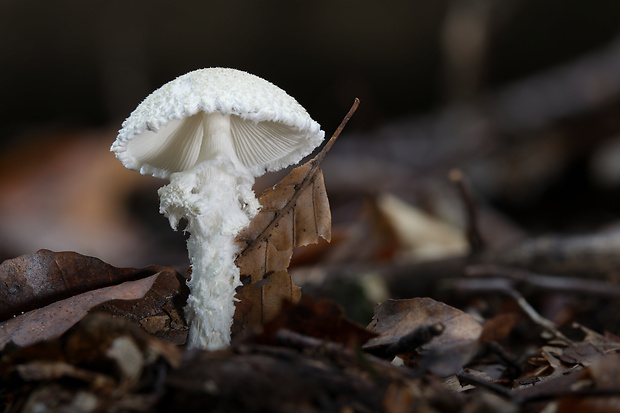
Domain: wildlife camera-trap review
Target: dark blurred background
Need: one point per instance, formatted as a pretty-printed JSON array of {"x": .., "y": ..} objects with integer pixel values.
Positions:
[
  {"x": 523, "y": 95},
  {"x": 90, "y": 63}
]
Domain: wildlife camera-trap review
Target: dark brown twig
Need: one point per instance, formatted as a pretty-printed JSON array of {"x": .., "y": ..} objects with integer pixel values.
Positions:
[
  {"x": 474, "y": 237},
  {"x": 375, "y": 365},
  {"x": 343, "y": 123},
  {"x": 468, "y": 378},
  {"x": 506, "y": 287}
]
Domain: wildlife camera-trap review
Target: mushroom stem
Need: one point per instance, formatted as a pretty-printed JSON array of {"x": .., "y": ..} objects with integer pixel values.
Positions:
[
  {"x": 217, "y": 200},
  {"x": 218, "y": 138}
]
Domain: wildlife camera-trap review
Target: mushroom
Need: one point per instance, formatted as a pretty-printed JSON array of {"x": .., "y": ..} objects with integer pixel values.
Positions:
[{"x": 211, "y": 132}]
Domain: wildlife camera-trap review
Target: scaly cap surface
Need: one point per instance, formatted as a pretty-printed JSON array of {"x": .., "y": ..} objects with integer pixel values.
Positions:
[{"x": 164, "y": 133}]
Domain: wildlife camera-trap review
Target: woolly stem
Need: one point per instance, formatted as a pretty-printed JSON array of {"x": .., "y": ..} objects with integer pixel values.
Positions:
[{"x": 217, "y": 200}]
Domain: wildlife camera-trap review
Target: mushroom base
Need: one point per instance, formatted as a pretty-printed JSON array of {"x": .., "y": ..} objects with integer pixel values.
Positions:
[{"x": 217, "y": 200}]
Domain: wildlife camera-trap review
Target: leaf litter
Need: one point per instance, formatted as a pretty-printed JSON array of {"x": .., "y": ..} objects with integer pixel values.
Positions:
[
  {"x": 81, "y": 335},
  {"x": 46, "y": 293}
]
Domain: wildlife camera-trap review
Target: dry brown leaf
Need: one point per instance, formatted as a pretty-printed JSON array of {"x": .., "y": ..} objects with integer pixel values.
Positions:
[
  {"x": 53, "y": 320},
  {"x": 581, "y": 353},
  {"x": 36, "y": 280},
  {"x": 369, "y": 238},
  {"x": 395, "y": 319},
  {"x": 602, "y": 376},
  {"x": 53, "y": 291},
  {"x": 160, "y": 312},
  {"x": 498, "y": 328},
  {"x": 295, "y": 212}
]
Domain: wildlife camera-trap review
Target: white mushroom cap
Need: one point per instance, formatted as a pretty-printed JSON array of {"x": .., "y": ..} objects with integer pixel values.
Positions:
[{"x": 165, "y": 133}]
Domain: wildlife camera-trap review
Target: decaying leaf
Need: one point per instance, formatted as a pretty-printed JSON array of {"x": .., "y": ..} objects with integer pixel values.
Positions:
[
  {"x": 395, "y": 319},
  {"x": 602, "y": 376},
  {"x": 35, "y": 280},
  {"x": 498, "y": 328},
  {"x": 294, "y": 212},
  {"x": 53, "y": 320},
  {"x": 53, "y": 291},
  {"x": 563, "y": 355},
  {"x": 160, "y": 312}
]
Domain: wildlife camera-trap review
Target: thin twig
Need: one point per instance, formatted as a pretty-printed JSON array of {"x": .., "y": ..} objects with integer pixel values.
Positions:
[
  {"x": 468, "y": 378},
  {"x": 319, "y": 158},
  {"x": 474, "y": 237},
  {"x": 520, "y": 399},
  {"x": 505, "y": 286},
  {"x": 378, "y": 366}
]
